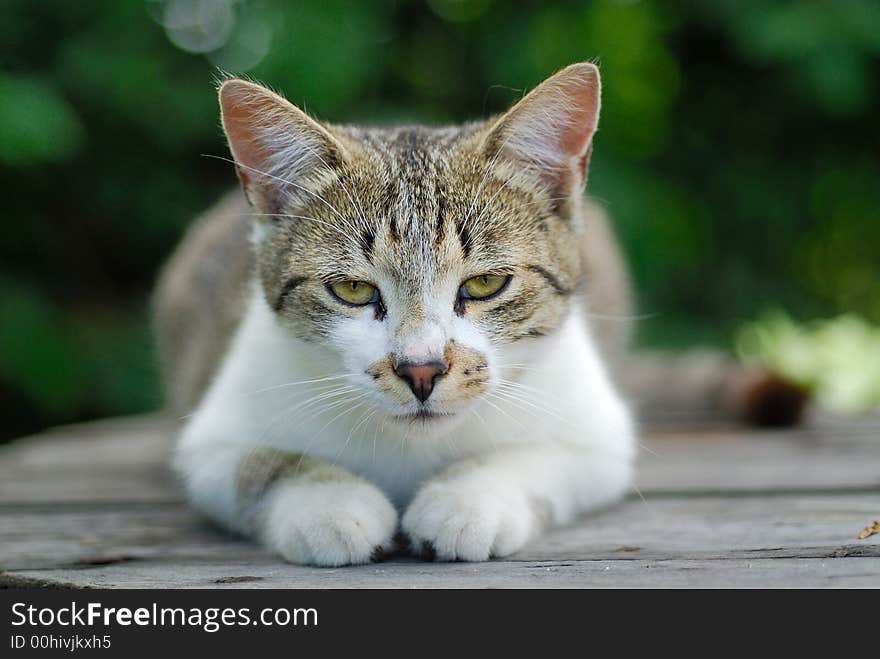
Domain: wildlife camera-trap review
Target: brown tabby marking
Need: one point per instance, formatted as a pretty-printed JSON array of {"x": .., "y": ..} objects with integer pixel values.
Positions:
[
  {"x": 465, "y": 378},
  {"x": 263, "y": 467}
]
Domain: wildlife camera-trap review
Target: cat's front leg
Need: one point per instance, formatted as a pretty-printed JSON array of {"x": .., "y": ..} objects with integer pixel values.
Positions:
[
  {"x": 492, "y": 505},
  {"x": 306, "y": 509}
]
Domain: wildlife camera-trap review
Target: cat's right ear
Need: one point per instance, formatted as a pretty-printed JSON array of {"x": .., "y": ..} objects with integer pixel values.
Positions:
[{"x": 278, "y": 149}]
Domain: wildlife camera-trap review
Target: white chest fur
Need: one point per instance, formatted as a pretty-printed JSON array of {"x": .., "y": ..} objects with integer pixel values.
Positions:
[{"x": 275, "y": 390}]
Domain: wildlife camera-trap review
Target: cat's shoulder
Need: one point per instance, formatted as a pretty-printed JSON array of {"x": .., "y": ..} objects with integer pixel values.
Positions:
[{"x": 200, "y": 297}]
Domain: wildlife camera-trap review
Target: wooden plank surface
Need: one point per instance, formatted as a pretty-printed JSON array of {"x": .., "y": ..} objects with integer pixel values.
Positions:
[
  {"x": 126, "y": 460},
  {"x": 408, "y": 573},
  {"x": 117, "y": 460},
  {"x": 95, "y": 505},
  {"x": 827, "y": 454},
  {"x": 819, "y": 526}
]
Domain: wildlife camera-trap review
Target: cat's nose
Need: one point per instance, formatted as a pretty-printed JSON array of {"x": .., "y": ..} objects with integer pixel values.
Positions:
[{"x": 421, "y": 377}]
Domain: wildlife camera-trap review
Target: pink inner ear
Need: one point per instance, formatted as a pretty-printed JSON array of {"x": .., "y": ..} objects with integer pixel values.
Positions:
[
  {"x": 575, "y": 139},
  {"x": 243, "y": 112}
]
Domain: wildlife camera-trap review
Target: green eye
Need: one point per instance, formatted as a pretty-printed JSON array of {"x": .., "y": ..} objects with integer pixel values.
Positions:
[
  {"x": 483, "y": 287},
  {"x": 358, "y": 293}
]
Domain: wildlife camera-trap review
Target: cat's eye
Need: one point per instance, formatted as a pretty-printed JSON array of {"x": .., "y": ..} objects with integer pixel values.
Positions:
[
  {"x": 483, "y": 287},
  {"x": 357, "y": 293}
]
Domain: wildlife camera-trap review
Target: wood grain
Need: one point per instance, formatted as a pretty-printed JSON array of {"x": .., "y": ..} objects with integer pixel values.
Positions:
[{"x": 96, "y": 506}]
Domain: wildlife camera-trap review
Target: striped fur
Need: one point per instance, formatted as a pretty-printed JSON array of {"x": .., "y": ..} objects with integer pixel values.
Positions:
[{"x": 304, "y": 433}]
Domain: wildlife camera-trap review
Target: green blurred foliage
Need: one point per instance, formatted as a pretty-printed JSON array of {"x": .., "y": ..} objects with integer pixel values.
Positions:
[
  {"x": 738, "y": 152},
  {"x": 837, "y": 360}
]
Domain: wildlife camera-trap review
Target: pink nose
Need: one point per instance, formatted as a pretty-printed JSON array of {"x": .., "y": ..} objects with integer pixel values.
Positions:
[{"x": 421, "y": 377}]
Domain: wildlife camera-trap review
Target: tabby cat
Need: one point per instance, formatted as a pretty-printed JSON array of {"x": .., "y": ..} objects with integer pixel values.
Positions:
[{"x": 386, "y": 341}]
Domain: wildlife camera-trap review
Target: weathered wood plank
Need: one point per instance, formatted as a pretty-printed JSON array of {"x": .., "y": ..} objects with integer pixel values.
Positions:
[
  {"x": 126, "y": 460},
  {"x": 707, "y": 528},
  {"x": 826, "y": 454},
  {"x": 741, "y": 573},
  {"x": 116, "y": 460},
  {"x": 95, "y": 505}
]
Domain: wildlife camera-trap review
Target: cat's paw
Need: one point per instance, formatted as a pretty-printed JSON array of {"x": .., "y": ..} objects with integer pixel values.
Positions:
[
  {"x": 460, "y": 520},
  {"x": 329, "y": 523}
]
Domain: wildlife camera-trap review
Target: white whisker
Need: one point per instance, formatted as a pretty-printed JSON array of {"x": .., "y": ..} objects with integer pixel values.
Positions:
[
  {"x": 514, "y": 398},
  {"x": 526, "y": 390},
  {"x": 505, "y": 413},
  {"x": 639, "y": 492},
  {"x": 355, "y": 404},
  {"x": 489, "y": 432},
  {"x": 492, "y": 198},
  {"x": 365, "y": 417},
  {"x": 300, "y": 382},
  {"x": 357, "y": 207},
  {"x": 348, "y": 236},
  {"x": 302, "y": 406},
  {"x": 483, "y": 180},
  {"x": 645, "y": 316}
]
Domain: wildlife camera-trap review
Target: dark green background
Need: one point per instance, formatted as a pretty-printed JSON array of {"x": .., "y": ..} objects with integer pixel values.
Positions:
[{"x": 738, "y": 153}]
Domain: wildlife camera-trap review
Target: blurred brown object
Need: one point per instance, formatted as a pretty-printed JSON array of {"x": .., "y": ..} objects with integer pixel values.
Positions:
[
  {"x": 761, "y": 398},
  {"x": 706, "y": 386}
]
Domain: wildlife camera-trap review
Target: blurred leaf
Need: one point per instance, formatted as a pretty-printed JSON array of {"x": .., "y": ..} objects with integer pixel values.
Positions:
[
  {"x": 37, "y": 355},
  {"x": 36, "y": 123},
  {"x": 461, "y": 11},
  {"x": 117, "y": 349},
  {"x": 837, "y": 359}
]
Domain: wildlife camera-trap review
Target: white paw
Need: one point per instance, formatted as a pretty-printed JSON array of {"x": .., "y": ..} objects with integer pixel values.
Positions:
[
  {"x": 329, "y": 523},
  {"x": 463, "y": 520}
]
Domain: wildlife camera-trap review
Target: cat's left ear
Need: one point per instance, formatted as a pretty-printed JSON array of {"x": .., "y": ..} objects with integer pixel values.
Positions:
[{"x": 551, "y": 129}]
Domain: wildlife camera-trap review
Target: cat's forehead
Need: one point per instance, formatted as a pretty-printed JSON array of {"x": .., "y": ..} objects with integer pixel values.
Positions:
[
  {"x": 410, "y": 144},
  {"x": 417, "y": 203},
  {"x": 411, "y": 186},
  {"x": 425, "y": 180},
  {"x": 413, "y": 174}
]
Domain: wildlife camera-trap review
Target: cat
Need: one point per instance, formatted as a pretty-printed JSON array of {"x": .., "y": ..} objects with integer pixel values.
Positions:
[{"x": 386, "y": 341}]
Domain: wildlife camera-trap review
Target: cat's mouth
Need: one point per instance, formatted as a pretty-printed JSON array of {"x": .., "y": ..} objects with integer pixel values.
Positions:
[{"x": 425, "y": 415}]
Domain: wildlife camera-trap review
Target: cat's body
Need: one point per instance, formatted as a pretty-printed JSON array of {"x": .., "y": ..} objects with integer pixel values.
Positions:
[{"x": 408, "y": 347}]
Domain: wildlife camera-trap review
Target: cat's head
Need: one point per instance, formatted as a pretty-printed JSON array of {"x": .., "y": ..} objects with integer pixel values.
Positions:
[{"x": 425, "y": 258}]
